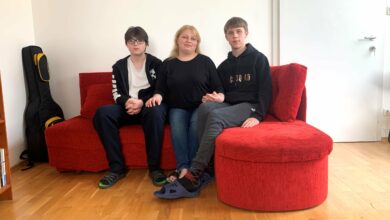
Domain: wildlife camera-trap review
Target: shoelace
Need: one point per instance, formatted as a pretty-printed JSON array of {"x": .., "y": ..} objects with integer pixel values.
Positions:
[{"x": 111, "y": 178}]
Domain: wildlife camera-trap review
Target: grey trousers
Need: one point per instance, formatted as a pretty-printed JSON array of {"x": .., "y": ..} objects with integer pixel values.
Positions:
[{"x": 213, "y": 117}]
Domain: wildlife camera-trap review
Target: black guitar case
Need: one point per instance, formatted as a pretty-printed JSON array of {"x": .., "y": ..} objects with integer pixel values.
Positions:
[{"x": 41, "y": 110}]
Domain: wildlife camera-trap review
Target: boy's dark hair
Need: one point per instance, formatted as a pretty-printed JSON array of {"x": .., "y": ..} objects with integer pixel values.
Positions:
[
  {"x": 235, "y": 22},
  {"x": 137, "y": 33}
]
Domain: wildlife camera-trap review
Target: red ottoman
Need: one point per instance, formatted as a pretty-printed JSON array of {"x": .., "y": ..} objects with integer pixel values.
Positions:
[{"x": 275, "y": 166}]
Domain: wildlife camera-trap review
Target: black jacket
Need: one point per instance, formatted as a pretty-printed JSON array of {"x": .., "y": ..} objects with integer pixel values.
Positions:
[
  {"x": 247, "y": 78},
  {"x": 120, "y": 79}
]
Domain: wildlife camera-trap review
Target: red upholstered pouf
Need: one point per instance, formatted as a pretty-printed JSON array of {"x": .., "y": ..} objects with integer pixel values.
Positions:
[{"x": 275, "y": 166}]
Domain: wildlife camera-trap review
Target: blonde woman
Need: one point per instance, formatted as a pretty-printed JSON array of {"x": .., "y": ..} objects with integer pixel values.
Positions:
[{"x": 185, "y": 77}]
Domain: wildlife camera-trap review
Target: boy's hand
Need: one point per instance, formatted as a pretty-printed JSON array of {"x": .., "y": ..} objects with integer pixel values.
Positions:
[
  {"x": 134, "y": 111},
  {"x": 133, "y": 106},
  {"x": 153, "y": 101},
  {"x": 213, "y": 97},
  {"x": 250, "y": 122}
]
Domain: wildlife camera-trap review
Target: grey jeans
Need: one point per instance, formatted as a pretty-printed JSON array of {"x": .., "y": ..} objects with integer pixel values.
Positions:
[{"x": 213, "y": 117}]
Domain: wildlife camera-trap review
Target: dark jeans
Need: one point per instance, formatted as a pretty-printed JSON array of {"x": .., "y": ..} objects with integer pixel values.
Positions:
[{"x": 107, "y": 121}]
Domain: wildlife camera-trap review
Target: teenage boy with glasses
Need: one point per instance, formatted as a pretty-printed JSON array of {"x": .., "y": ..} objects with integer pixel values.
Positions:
[{"x": 133, "y": 81}]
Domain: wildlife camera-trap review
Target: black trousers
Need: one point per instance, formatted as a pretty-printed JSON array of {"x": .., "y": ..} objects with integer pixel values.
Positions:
[{"x": 107, "y": 121}]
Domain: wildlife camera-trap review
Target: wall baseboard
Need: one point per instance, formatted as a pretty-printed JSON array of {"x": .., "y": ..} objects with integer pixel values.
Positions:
[{"x": 14, "y": 153}]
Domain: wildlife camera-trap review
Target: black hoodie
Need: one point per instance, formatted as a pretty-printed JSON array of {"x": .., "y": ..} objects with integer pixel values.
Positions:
[
  {"x": 120, "y": 79},
  {"x": 247, "y": 78}
]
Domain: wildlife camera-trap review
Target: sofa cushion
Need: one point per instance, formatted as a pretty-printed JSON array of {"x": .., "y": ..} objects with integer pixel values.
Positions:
[
  {"x": 74, "y": 145},
  {"x": 274, "y": 142},
  {"x": 97, "y": 95},
  {"x": 288, "y": 83}
]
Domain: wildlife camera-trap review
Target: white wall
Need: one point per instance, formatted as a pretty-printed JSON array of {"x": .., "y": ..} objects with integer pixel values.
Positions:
[
  {"x": 16, "y": 32},
  {"x": 386, "y": 78},
  {"x": 87, "y": 35},
  {"x": 344, "y": 80}
]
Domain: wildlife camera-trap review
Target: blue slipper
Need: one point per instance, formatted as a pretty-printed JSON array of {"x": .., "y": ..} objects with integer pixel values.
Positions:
[
  {"x": 175, "y": 190},
  {"x": 205, "y": 179}
]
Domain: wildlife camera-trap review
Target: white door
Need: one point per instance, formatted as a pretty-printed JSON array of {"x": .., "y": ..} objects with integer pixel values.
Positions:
[{"x": 341, "y": 43}]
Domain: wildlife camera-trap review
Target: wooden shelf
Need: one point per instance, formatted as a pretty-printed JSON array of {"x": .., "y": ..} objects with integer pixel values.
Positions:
[
  {"x": 5, "y": 188},
  {"x": 6, "y": 191}
]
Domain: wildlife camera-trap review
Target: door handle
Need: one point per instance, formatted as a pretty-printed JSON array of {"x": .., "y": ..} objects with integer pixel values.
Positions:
[
  {"x": 372, "y": 49},
  {"x": 370, "y": 38}
]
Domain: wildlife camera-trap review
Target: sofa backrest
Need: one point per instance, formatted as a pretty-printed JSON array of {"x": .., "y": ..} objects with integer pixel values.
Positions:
[
  {"x": 288, "y": 88},
  {"x": 288, "y": 92},
  {"x": 92, "y": 78}
]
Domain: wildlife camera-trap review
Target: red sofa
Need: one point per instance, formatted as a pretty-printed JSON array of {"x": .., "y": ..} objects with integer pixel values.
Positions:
[
  {"x": 280, "y": 164},
  {"x": 74, "y": 145}
]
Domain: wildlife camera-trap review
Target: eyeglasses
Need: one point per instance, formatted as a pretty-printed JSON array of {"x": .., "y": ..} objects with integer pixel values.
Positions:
[{"x": 135, "y": 41}]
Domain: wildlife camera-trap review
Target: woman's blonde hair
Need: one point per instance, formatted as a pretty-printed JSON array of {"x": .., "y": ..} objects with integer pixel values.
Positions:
[{"x": 175, "y": 50}]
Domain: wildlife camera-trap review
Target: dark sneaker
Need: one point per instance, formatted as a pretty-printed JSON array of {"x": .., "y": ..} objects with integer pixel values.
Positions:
[
  {"x": 158, "y": 178},
  {"x": 110, "y": 179},
  {"x": 191, "y": 181}
]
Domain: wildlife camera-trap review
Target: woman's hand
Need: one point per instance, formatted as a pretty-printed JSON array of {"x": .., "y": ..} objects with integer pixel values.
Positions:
[
  {"x": 213, "y": 97},
  {"x": 153, "y": 101}
]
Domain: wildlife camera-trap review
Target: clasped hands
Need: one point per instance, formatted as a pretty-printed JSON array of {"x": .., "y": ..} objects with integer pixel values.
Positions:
[
  {"x": 220, "y": 97},
  {"x": 133, "y": 106},
  {"x": 209, "y": 97},
  {"x": 213, "y": 97}
]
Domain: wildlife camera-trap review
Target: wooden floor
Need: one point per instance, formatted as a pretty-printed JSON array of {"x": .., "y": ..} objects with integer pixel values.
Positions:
[{"x": 359, "y": 188}]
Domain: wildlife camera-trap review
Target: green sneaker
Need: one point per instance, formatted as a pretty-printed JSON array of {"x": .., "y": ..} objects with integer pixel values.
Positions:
[
  {"x": 110, "y": 179},
  {"x": 158, "y": 178}
]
